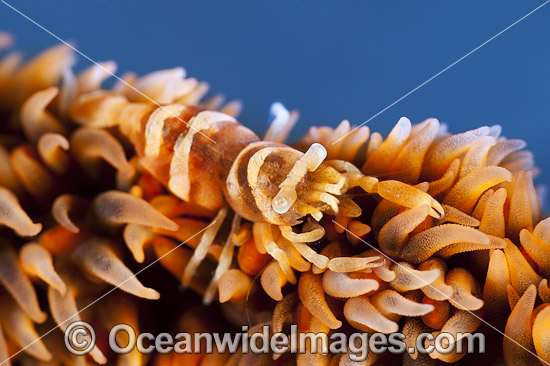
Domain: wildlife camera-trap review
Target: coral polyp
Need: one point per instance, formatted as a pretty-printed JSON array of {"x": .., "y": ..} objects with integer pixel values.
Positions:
[{"x": 423, "y": 231}]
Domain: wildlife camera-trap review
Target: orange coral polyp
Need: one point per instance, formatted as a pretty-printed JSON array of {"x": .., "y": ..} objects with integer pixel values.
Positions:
[
  {"x": 92, "y": 180},
  {"x": 59, "y": 240},
  {"x": 439, "y": 316}
]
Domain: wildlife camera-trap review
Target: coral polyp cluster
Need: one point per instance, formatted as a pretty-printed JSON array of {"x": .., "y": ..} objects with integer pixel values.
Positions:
[{"x": 423, "y": 231}]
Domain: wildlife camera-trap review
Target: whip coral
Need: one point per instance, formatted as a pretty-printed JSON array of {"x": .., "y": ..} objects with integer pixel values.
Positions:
[{"x": 421, "y": 231}]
